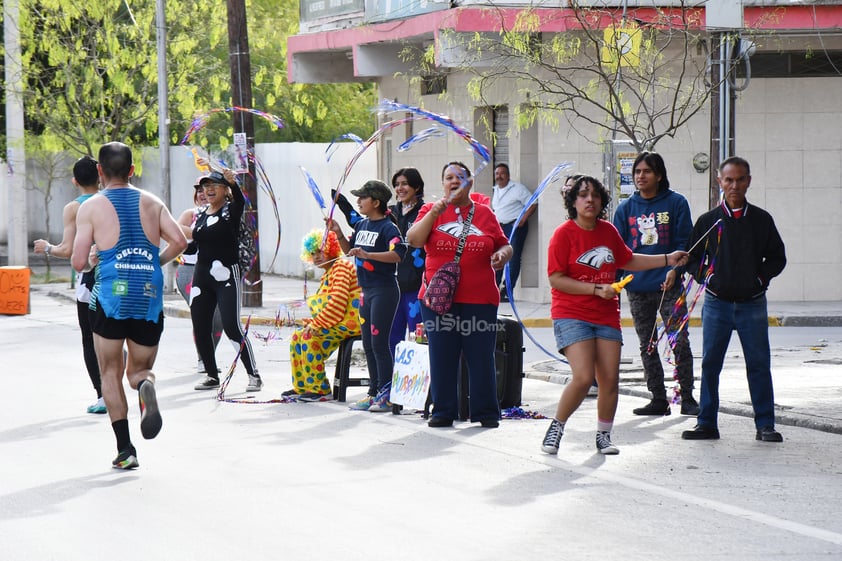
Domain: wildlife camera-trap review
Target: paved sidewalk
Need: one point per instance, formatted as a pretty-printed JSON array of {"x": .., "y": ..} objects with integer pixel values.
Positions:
[{"x": 807, "y": 377}]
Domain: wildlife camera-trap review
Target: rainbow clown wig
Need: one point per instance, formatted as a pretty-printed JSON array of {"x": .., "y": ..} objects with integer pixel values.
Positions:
[{"x": 312, "y": 243}]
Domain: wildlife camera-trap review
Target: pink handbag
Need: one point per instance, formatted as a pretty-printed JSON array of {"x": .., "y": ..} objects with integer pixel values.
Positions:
[{"x": 442, "y": 288}]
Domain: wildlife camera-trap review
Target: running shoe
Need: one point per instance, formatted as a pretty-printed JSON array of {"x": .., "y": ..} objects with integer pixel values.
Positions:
[
  {"x": 363, "y": 404},
  {"x": 290, "y": 393},
  {"x": 150, "y": 416},
  {"x": 126, "y": 459},
  {"x": 381, "y": 403},
  {"x": 98, "y": 408}
]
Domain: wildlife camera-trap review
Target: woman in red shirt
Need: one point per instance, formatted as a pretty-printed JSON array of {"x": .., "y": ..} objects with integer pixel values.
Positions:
[
  {"x": 583, "y": 257},
  {"x": 469, "y": 328}
]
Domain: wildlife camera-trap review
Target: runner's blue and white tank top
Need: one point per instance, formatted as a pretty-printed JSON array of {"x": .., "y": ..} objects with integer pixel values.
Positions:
[{"x": 129, "y": 280}]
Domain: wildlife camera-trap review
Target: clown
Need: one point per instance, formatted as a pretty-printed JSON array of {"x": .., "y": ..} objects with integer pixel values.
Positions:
[{"x": 335, "y": 310}]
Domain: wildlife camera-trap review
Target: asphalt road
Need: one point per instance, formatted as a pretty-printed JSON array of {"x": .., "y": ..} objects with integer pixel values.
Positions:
[{"x": 317, "y": 481}]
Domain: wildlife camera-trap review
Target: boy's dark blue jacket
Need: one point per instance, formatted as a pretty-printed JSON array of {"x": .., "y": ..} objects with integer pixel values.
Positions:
[{"x": 654, "y": 226}]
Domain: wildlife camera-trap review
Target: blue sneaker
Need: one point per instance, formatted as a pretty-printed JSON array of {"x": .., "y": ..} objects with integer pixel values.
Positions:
[
  {"x": 362, "y": 405},
  {"x": 381, "y": 403},
  {"x": 98, "y": 408}
]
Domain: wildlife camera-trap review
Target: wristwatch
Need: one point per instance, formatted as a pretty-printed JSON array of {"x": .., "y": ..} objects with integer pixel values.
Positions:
[{"x": 47, "y": 248}]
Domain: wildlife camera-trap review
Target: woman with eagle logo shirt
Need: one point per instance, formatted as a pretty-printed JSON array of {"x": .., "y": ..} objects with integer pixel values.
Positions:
[{"x": 584, "y": 255}]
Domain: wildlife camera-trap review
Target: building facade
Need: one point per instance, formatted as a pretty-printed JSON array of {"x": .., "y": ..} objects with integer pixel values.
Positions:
[{"x": 786, "y": 114}]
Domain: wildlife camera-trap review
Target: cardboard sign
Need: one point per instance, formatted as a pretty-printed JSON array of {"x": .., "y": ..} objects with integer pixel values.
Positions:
[
  {"x": 14, "y": 290},
  {"x": 411, "y": 376}
]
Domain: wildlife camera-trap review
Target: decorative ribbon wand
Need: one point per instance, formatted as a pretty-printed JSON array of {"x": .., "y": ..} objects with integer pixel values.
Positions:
[
  {"x": 703, "y": 236},
  {"x": 652, "y": 341}
]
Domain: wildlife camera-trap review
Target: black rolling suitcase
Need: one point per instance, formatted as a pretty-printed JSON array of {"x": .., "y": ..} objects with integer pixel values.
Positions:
[{"x": 508, "y": 360}]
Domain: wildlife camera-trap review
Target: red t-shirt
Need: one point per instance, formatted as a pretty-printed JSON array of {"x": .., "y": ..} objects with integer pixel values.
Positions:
[
  {"x": 589, "y": 256},
  {"x": 478, "y": 284}
]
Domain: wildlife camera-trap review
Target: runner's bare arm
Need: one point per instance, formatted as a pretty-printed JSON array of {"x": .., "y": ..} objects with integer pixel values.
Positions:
[
  {"x": 65, "y": 248},
  {"x": 186, "y": 222},
  {"x": 172, "y": 234}
]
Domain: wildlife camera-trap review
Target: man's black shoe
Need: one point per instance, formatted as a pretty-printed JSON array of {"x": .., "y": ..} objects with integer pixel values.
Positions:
[
  {"x": 689, "y": 406},
  {"x": 769, "y": 434},
  {"x": 654, "y": 407},
  {"x": 701, "y": 432},
  {"x": 438, "y": 422},
  {"x": 490, "y": 423}
]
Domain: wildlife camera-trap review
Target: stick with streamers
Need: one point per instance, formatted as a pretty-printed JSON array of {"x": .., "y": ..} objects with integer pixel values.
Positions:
[
  {"x": 414, "y": 113},
  {"x": 676, "y": 322},
  {"x": 352, "y": 161},
  {"x": 264, "y": 183},
  {"x": 552, "y": 177},
  {"x": 705, "y": 235},
  {"x": 361, "y": 148},
  {"x": 480, "y": 151},
  {"x": 220, "y": 394},
  {"x": 314, "y": 188},
  {"x": 200, "y": 121}
]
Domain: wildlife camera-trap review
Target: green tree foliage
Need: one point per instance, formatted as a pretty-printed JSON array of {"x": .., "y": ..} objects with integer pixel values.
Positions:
[{"x": 91, "y": 74}]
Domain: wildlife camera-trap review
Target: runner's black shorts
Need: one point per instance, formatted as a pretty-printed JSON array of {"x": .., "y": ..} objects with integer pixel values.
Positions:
[{"x": 142, "y": 332}]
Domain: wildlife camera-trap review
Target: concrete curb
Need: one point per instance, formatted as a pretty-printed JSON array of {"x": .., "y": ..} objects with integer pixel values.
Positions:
[
  {"x": 774, "y": 321},
  {"x": 179, "y": 311}
]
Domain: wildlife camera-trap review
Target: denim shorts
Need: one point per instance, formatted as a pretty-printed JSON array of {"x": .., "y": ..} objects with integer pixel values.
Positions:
[{"x": 569, "y": 331}]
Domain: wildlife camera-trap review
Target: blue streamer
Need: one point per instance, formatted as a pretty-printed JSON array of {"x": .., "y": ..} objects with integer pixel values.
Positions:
[
  {"x": 314, "y": 188},
  {"x": 332, "y": 147},
  {"x": 425, "y": 134},
  {"x": 552, "y": 177}
]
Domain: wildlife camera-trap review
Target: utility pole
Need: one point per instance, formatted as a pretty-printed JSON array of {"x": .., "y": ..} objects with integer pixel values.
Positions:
[
  {"x": 163, "y": 117},
  {"x": 723, "y": 105},
  {"x": 15, "y": 149},
  {"x": 238, "y": 51}
]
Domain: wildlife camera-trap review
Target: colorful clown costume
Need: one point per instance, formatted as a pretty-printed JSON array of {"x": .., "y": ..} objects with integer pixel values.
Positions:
[{"x": 335, "y": 311}]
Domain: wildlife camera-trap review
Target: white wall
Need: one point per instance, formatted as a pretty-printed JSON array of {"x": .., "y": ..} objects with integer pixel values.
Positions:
[{"x": 297, "y": 208}]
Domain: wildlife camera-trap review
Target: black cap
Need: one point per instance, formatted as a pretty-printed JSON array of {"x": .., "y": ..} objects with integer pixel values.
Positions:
[
  {"x": 214, "y": 177},
  {"x": 375, "y": 189}
]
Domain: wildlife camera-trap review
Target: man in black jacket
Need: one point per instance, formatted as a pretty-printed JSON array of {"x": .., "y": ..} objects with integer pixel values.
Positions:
[{"x": 740, "y": 253}]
